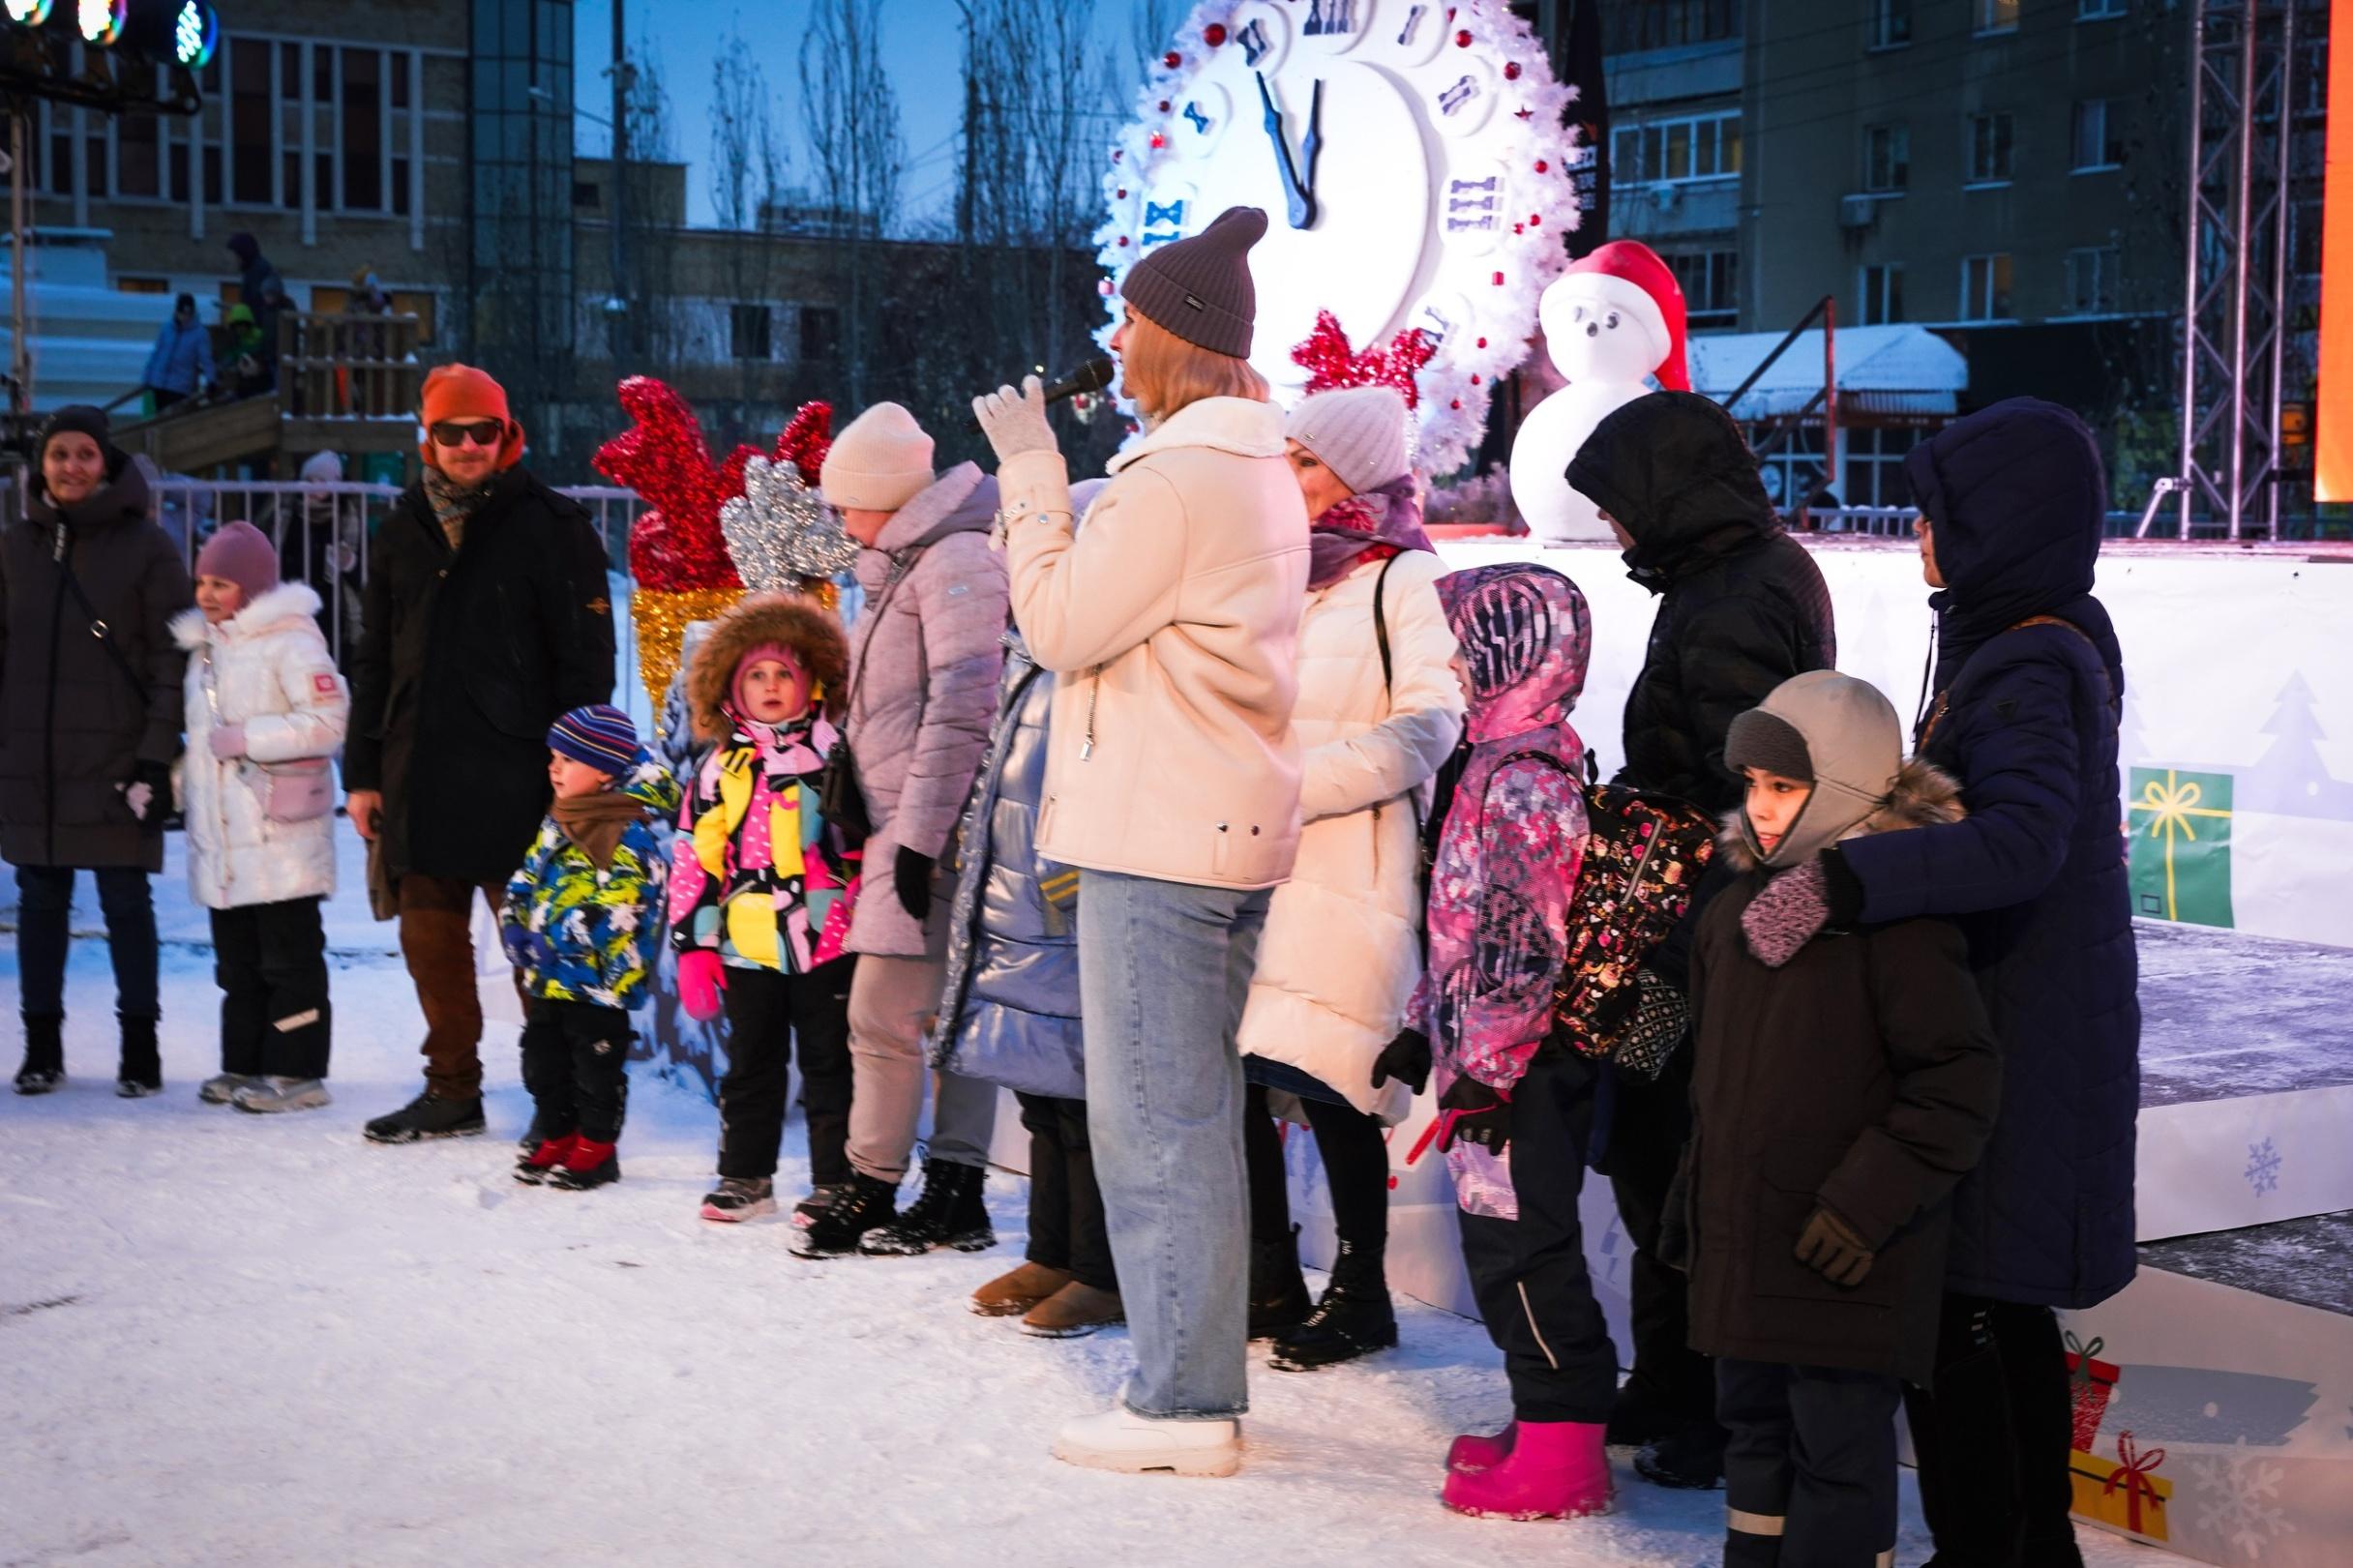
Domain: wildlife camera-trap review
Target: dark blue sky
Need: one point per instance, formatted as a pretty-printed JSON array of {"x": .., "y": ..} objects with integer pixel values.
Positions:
[{"x": 926, "y": 46}]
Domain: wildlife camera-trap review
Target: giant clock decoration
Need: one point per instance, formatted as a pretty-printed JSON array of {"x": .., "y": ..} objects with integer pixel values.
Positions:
[{"x": 1413, "y": 163}]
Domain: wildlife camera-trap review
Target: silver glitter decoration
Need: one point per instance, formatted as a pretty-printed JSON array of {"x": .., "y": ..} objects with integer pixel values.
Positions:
[{"x": 779, "y": 531}]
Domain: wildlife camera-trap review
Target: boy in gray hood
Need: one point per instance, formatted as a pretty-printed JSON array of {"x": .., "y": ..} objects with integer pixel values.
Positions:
[{"x": 1843, "y": 1081}]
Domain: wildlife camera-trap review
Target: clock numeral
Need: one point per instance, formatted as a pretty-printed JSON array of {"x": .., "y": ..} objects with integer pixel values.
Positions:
[
  {"x": 1254, "y": 41},
  {"x": 1471, "y": 205},
  {"x": 1413, "y": 25},
  {"x": 1435, "y": 323},
  {"x": 1453, "y": 101},
  {"x": 1330, "y": 19},
  {"x": 1200, "y": 121}
]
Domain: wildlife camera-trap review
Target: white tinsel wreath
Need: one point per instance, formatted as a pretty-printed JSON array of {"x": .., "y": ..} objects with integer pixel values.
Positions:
[{"x": 779, "y": 531}]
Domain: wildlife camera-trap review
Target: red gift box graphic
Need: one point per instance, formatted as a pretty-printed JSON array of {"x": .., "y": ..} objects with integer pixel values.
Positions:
[{"x": 2090, "y": 1384}]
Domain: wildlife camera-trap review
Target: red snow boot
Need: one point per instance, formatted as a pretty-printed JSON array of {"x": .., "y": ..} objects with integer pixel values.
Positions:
[
  {"x": 534, "y": 1168},
  {"x": 590, "y": 1164},
  {"x": 1556, "y": 1469}
]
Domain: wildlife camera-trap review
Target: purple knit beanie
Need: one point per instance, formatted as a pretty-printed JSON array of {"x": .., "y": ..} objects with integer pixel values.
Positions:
[
  {"x": 241, "y": 553},
  {"x": 1200, "y": 289}
]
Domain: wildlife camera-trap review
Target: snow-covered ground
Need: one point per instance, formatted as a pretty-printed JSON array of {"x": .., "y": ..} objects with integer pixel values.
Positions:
[{"x": 227, "y": 1339}]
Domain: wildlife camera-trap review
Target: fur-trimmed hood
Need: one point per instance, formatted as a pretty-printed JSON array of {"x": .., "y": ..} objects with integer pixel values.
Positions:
[
  {"x": 287, "y": 602},
  {"x": 797, "y": 622},
  {"x": 1923, "y": 795}
]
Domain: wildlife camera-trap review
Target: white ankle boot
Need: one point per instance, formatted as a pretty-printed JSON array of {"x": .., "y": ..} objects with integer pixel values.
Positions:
[{"x": 1120, "y": 1440}]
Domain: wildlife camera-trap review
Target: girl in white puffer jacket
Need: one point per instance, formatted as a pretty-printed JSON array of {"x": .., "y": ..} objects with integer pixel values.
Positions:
[{"x": 265, "y": 715}]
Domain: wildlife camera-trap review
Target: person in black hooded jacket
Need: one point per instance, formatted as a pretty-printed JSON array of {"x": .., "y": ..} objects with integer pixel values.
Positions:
[
  {"x": 2028, "y": 690},
  {"x": 1742, "y": 608}
]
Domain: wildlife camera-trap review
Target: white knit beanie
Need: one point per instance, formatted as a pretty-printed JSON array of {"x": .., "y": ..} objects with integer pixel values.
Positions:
[
  {"x": 1358, "y": 432},
  {"x": 880, "y": 461}
]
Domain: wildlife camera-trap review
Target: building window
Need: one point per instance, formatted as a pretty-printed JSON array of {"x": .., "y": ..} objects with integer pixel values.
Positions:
[
  {"x": 1667, "y": 25},
  {"x": 2092, "y": 278},
  {"x": 1996, "y": 16},
  {"x": 1887, "y": 158},
  {"x": 253, "y": 166},
  {"x": 1890, "y": 23},
  {"x": 1711, "y": 285},
  {"x": 821, "y": 332},
  {"x": 1989, "y": 149},
  {"x": 1881, "y": 294},
  {"x": 1985, "y": 288},
  {"x": 587, "y": 195},
  {"x": 748, "y": 336},
  {"x": 2097, "y": 145},
  {"x": 1674, "y": 152},
  {"x": 2093, "y": 11}
]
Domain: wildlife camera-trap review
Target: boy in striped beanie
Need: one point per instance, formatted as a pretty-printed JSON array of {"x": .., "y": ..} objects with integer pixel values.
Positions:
[{"x": 574, "y": 921}]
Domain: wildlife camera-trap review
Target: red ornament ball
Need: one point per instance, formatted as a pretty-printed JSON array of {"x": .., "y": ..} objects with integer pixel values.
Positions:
[
  {"x": 1124, "y": 245},
  {"x": 1519, "y": 228},
  {"x": 1171, "y": 59},
  {"x": 1462, "y": 39},
  {"x": 1103, "y": 286},
  {"x": 1497, "y": 280},
  {"x": 1543, "y": 167},
  {"x": 1511, "y": 71},
  {"x": 1475, "y": 380},
  {"x": 1159, "y": 140},
  {"x": 1122, "y": 193},
  {"x": 1117, "y": 154},
  {"x": 1482, "y": 342},
  {"x": 1456, "y": 403},
  {"x": 1535, "y": 220},
  {"x": 1213, "y": 35},
  {"x": 1165, "y": 106}
]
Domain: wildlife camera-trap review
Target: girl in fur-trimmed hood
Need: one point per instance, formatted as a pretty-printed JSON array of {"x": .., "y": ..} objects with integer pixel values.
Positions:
[
  {"x": 1844, "y": 1079},
  {"x": 762, "y": 888}
]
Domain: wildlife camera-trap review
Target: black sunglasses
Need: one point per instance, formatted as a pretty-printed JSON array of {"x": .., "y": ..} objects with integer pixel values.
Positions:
[{"x": 483, "y": 432}]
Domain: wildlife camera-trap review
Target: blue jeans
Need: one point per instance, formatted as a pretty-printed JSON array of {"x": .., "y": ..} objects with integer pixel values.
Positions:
[{"x": 1164, "y": 969}]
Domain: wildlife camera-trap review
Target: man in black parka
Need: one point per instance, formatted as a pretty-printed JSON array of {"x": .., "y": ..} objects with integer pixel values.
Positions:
[
  {"x": 486, "y": 617},
  {"x": 1742, "y": 608}
]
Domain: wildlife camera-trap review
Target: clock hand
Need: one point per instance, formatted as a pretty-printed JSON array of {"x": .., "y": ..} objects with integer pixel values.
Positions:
[
  {"x": 1312, "y": 144},
  {"x": 1300, "y": 203}
]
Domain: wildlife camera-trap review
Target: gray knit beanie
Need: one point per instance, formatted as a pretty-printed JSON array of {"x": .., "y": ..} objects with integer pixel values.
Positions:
[
  {"x": 1200, "y": 289},
  {"x": 1358, "y": 432}
]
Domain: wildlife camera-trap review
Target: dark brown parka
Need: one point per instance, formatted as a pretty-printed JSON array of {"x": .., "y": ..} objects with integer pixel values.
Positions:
[{"x": 79, "y": 713}]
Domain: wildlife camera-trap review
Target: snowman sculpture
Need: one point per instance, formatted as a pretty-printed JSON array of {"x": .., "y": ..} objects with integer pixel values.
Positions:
[{"x": 1613, "y": 319}]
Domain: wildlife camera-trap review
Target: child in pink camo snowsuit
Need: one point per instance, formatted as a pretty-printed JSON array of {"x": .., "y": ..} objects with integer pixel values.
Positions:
[{"x": 1514, "y": 1111}]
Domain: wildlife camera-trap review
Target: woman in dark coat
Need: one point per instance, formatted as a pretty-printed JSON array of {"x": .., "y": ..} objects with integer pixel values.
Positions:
[
  {"x": 89, "y": 724},
  {"x": 2029, "y": 686}
]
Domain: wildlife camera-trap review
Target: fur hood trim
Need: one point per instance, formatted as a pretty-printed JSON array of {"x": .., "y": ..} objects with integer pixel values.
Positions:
[
  {"x": 1924, "y": 795},
  {"x": 798, "y": 622},
  {"x": 287, "y": 602}
]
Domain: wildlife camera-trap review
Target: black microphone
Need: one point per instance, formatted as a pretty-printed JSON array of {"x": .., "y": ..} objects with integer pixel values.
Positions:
[{"x": 1092, "y": 376}]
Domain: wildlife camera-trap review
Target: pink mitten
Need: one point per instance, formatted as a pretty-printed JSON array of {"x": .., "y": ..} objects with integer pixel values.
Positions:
[
  {"x": 229, "y": 740},
  {"x": 700, "y": 980}
]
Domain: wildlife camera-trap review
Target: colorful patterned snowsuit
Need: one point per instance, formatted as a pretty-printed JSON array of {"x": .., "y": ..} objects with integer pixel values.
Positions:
[
  {"x": 590, "y": 923},
  {"x": 760, "y": 879}
]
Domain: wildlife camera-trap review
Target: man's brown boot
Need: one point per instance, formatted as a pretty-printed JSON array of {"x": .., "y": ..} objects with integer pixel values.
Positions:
[
  {"x": 1011, "y": 1294},
  {"x": 1074, "y": 1310}
]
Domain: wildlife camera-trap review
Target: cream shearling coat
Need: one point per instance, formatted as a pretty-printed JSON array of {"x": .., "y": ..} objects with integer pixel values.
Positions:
[
  {"x": 1173, "y": 618},
  {"x": 1342, "y": 949},
  {"x": 268, "y": 668}
]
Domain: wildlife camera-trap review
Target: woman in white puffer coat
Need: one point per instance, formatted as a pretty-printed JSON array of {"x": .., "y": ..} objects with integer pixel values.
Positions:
[
  {"x": 1379, "y": 713},
  {"x": 266, "y": 713}
]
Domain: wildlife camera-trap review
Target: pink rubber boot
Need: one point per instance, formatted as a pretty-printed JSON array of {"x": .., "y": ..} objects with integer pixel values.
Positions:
[
  {"x": 1472, "y": 1452},
  {"x": 1556, "y": 1469}
]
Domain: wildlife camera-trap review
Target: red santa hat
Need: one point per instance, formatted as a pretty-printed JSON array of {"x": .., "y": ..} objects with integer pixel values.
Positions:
[{"x": 1629, "y": 277}]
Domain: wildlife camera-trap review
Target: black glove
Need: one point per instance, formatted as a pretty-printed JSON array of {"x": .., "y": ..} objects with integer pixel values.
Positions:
[
  {"x": 1843, "y": 888},
  {"x": 1406, "y": 1058},
  {"x": 1830, "y": 1247},
  {"x": 1477, "y": 1115},
  {"x": 912, "y": 874}
]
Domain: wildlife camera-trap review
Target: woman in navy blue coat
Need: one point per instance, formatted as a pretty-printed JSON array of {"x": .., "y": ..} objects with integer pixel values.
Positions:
[{"x": 2029, "y": 689}]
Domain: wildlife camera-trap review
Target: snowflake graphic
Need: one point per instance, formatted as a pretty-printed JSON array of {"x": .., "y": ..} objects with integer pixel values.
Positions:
[
  {"x": 2239, "y": 1499},
  {"x": 2262, "y": 1171}
]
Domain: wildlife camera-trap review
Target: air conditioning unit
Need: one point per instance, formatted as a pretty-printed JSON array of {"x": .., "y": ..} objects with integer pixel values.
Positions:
[{"x": 1857, "y": 212}]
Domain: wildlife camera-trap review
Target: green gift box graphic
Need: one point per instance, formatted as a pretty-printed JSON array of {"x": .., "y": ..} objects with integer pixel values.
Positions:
[{"x": 2180, "y": 825}]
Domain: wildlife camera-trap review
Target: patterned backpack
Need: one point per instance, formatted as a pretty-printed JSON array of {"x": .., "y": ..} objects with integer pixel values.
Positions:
[{"x": 1644, "y": 854}]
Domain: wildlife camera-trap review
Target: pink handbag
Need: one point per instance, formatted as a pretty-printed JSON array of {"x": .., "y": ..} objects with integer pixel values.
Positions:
[{"x": 298, "y": 791}]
